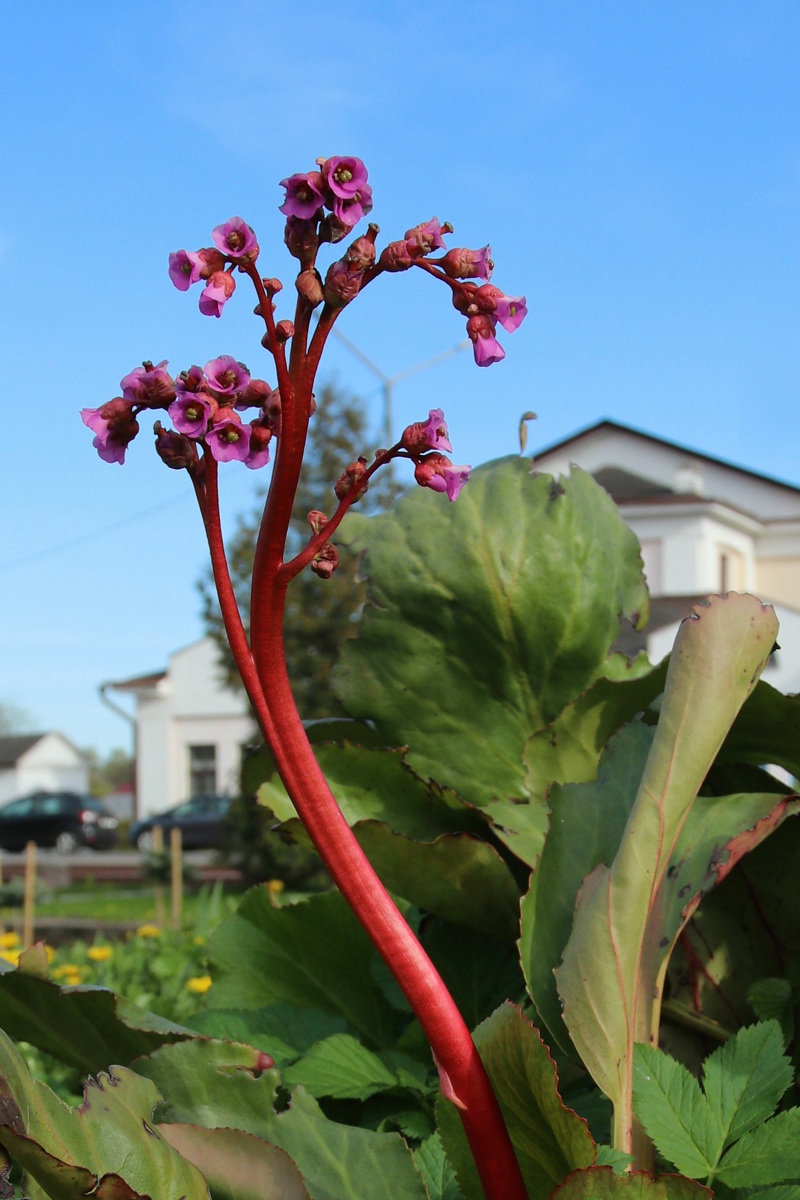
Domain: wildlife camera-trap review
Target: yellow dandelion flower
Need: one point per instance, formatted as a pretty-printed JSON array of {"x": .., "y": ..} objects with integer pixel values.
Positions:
[
  {"x": 50, "y": 952},
  {"x": 67, "y": 972},
  {"x": 11, "y": 956},
  {"x": 276, "y": 886},
  {"x": 100, "y": 953},
  {"x": 148, "y": 931},
  {"x": 10, "y": 940},
  {"x": 198, "y": 941},
  {"x": 199, "y": 984}
]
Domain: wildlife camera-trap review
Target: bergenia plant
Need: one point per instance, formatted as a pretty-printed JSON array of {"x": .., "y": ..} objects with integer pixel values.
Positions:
[{"x": 219, "y": 413}]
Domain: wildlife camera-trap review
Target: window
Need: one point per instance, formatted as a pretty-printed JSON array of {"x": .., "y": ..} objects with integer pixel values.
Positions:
[
  {"x": 202, "y": 770},
  {"x": 731, "y": 570}
]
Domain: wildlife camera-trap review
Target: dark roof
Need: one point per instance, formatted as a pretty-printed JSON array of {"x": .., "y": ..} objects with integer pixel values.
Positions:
[
  {"x": 618, "y": 427},
  {"x": 137, "y": 683},
  {"x": 15, "y": 745}
]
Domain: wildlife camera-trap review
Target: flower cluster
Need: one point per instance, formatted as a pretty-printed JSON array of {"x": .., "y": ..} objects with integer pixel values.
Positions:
[
  {"x": 204, "y": 407},
  {"x": 340, "y": 185},
  {"x": 433, "y": 470},
  {"x": 235, "y": 245}
]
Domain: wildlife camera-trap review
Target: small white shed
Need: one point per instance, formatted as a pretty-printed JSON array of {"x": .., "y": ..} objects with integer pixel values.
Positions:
[{"x": 46, "y": 762}]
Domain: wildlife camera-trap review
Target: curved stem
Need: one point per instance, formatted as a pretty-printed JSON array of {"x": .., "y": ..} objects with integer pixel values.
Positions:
[{"x": 463, "y": 1076}]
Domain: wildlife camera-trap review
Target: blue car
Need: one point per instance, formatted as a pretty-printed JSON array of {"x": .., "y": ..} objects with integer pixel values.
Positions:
[{"x": 201, "y": 821}]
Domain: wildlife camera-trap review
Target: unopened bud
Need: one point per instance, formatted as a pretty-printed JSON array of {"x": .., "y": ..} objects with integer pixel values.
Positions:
[
  {"x": 173, "y": 448},
  {"x": 317, "y": 520},
  {"x": 360, "y": 254},
  {"x": 349, "y": 478},
  {"x": 284, "y": 330},
  {"x": 309, "y": 286},
  {"x": 325, "y": 561},
  {"x": 212, "y": 261}
]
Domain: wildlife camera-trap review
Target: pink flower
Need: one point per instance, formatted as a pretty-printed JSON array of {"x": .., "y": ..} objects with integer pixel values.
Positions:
[
  {"x": 426, "y": 237},
  {"x": 228, "y": 439},
  {"x": 216, "y": 294},
  {"x": 150, "y": 386},
  {"x": 485, "y": 346},
  {"x": 438, "y": 473},
  {"x": 226, "y": 376},
  {"x": 350, "y": 211},
  {"x": 345, "y": 176},
  {"x": 184, "y": 269},
  {"x": 304, "y": 195},
  {"x": 190, "y": 381},
  {"x": 191, "y": 412},
  {"x": 427, "y": 435},
  {"x": 235, "y": 239},
  {"x": 510, "y": 311},
  {"x": 467, "y": 264},
  {"x": 114, "y": 426},
  {"x": 260, "y": 437}
]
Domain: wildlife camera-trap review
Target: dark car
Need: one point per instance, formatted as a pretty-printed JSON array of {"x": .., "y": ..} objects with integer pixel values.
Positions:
[
  {"x": 65, "y": 820},
  {"x": 201, "y": 821}
]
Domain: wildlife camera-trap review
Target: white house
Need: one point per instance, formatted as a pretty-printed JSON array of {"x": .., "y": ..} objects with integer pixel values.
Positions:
[
  {"x": 45, "y": 762},
  {"x": 190, "y": 729},
  {"x": 704, "y": 526}
]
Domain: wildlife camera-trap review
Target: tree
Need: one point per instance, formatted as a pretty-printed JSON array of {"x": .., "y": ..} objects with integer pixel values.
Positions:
[
  {"x": 320, "y": 613},
  {"x": 13, "y": 719}
]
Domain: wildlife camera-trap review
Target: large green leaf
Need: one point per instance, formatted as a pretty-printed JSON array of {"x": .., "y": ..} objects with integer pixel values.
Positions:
[
  {"x": 236, "y": 1165},
  {"x": 586, "y": 825},
  {"x": 549, "y": 1139},
  {"x": 313, "y": 954},
  {"x": 212, "y": 1085},
  {"x": 613, "y": 966},
  {"x": 69, "y": 1152},
  {"x": 376, "y": 784},
  {"x": 486, "y": 618},
  {"x": 569, "y": 749},
  {"x": 766, "y": 731},
  {"x": 458, "y": 876},
  {"x": 282, "y": 1030},
  {"x": 480, "y": 972},
  {"x": 86, "y": 1027}
]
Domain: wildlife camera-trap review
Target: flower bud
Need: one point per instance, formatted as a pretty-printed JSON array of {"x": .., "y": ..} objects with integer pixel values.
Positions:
[
  {"x": 317, "y": 520},
  {"x": 350, "y": 478},
  {"x": 174, "y": 449},
  {"x": 325, "y": 561},
  {"x": 283, "y": 331},
  {"x": 309, "y": 286},
  {"x": 211, "y": 260}
]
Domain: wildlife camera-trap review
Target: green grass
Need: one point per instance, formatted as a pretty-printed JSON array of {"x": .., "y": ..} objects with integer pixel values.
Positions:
[{"x": 109, "y": 902}]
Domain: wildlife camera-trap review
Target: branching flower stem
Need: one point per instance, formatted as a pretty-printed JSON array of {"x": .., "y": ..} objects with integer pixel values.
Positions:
[{"x": 262, "y": 664}]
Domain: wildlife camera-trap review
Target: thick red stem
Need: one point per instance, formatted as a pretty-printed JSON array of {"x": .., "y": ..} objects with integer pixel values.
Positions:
[{"x": 463, "y": 1075}]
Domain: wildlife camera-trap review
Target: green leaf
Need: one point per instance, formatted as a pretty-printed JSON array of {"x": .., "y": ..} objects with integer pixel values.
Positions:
[
  {"x": 745, "y": 1079},
  {"x": 769, "y": 1154},
  {"x": 68, "y": 1151},
  {"x": 669, "y": 1103},
  {"x": 458, "y": 877},
  {"x": 236, "y": 1165},
  {"x": 487, "y": 617},
  {"x": 341, "y": 1067},
  {"x": 549, "y": 1139},
  {"x": 215, "y": 1085},
  {"x": 86, "y": 1027},
  {"x": 377, "y": 784},
  {"x": 313, "y": 954},
  {"x": 602, "y": 1183},
  {"x": 765, "y": 731},
  {"x": 613, "y": 967},
  {"x": 439, "y": 1176},
  {"x": 480, "y": 972},
  {"x": 607, "y": 1156},
  {"x": 586, "y": 825},
  {"x": 569, "y": 749},
  {"x": 281, "y": 1030},
  {"x": 773, "y": 999}
]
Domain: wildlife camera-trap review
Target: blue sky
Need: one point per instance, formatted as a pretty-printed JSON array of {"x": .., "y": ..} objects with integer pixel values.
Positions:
[{"x": 635, "y": 166}]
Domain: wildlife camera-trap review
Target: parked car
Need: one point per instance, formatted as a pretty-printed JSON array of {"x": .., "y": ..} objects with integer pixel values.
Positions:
[
  {"x": 201, "y": 821},
  {"x": 61, "y": 819}
]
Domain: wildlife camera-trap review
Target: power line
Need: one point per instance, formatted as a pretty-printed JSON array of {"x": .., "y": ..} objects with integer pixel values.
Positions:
[{"x": 80, "y": 538}]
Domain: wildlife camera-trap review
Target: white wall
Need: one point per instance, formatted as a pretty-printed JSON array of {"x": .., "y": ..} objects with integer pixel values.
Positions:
[{"x": 190, "y": 706}]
